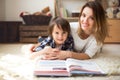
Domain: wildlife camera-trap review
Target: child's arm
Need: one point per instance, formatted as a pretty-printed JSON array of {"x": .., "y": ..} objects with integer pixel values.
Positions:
[
  {"x": 41, "y": 53},
  {"x": 36, "y": 45},
  {"x": 40, "y": 39}
]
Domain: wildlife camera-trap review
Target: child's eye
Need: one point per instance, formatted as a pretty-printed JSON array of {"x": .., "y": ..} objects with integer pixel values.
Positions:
[
  {"x": 56, "y": 32},
  {"x": 64, "y": 32}
]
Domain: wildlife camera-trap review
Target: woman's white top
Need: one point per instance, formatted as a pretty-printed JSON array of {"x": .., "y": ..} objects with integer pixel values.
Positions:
[{"x": 88, "y": 46}]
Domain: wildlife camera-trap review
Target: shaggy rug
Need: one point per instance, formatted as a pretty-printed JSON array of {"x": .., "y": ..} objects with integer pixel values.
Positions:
[{"x": 16, "y": 67}]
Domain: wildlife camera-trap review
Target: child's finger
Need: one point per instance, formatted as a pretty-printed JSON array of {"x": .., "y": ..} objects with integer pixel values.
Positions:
[
  {"x": 50, "y": 57},
  {"x": 56, "y": 50}
]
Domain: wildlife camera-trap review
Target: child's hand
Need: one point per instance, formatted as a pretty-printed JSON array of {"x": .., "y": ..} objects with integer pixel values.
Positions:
[
  {"x": 56, "y": 54},
  {"x": 48, "y": 51}
]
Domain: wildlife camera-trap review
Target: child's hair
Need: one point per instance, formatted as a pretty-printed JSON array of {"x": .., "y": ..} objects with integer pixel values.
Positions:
[{"x": 61, "y": 24}]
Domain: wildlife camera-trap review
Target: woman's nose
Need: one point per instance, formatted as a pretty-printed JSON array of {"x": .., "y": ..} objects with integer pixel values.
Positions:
[{"x": 85, "y": 20}]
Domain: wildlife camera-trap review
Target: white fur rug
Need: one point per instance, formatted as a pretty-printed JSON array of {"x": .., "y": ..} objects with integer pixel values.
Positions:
[{"x": 14, "y": 67}]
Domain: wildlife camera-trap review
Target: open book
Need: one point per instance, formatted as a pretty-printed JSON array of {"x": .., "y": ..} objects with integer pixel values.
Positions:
[{"x": 69, "y": 67}]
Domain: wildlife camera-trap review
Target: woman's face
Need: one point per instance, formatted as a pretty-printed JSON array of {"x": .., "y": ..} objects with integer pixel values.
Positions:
[
  {"x": 59, "y": 35},
  {"x": 87, "y": 20}
]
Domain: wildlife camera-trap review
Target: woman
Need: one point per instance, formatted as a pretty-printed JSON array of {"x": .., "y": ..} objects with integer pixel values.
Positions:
[{"x": 88, "y": 34}]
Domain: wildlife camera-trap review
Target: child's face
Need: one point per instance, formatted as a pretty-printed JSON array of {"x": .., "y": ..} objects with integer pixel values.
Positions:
[{"x": 59, "y": 35}]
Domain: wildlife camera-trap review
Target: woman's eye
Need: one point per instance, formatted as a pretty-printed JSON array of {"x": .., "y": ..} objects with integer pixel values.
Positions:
[
  {"x": 92, "y": 18},
  {"x": 83, "y": 15}
]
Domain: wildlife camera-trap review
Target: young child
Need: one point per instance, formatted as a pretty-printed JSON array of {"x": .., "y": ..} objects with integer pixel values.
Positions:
[{"x": 59, "y": 37}]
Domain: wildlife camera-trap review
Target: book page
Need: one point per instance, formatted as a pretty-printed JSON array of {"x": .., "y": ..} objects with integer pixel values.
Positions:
[
  {"x": 83, "y": 67},
  {"x": 51, "y": 68},
  {"x": 50, "y": 65}
]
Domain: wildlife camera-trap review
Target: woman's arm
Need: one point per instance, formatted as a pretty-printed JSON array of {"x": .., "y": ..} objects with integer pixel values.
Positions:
[{"x": 76, "y": 55}]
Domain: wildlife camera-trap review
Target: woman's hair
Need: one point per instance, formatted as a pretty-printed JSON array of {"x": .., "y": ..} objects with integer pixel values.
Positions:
[
  {"x": 61, "y": 24},
  {"x": 101, "y": 27}
]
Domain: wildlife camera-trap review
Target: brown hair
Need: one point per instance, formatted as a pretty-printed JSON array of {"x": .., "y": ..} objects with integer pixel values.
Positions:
[
  {"x": 61, "y": 23},
  {"x": 101, "y": 27}
]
